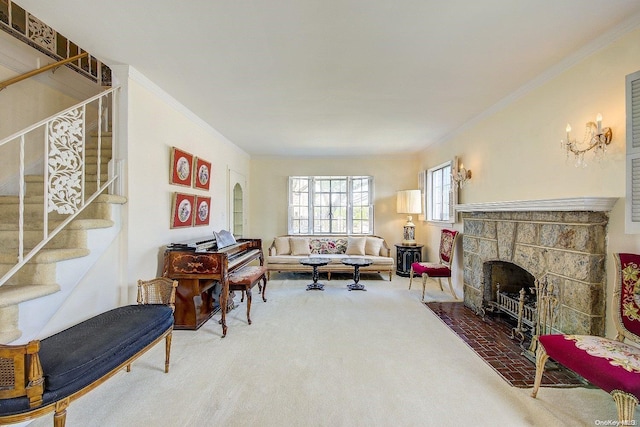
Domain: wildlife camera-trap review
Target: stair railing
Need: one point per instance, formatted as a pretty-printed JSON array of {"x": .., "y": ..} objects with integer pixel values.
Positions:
[
  {"x": 60, "y": 145},
  {"x": 54, "y": 66}
]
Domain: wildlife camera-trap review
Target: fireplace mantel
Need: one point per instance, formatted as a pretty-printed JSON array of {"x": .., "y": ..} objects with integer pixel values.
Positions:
[{"x": 593, "y": 204}]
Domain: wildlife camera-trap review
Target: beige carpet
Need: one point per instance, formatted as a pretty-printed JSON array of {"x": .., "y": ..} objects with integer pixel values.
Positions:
[{"x": 327, "y": 358}]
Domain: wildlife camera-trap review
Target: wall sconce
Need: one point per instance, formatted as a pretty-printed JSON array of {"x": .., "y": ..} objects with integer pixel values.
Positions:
[
  {"x": 460, "y": 175},
  {"x": 409, "y": 202},
  {"x": 595, "y": 138}
]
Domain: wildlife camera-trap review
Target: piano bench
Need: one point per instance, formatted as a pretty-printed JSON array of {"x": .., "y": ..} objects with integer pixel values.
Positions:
[{"x": 246, "y": 278}]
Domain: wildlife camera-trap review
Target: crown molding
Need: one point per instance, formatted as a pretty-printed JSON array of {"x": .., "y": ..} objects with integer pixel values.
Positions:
[{"x": 587, "y": 204}]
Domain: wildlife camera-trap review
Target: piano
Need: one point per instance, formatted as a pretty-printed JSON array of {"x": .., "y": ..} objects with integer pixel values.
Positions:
[{"x": 197, "y": 265}]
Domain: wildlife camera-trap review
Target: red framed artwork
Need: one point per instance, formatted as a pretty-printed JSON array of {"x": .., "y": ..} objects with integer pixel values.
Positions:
[
  {"x": 181, "y": 162},
  {"x": 182, "y": 208},
  {"x": 201, "y": 174},
  {"x": 202, "y": 211}
]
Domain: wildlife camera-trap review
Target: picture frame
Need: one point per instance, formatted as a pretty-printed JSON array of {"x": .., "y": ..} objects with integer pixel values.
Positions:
[
  {"x": 202, "y": 211},
  {"x": 181, "y": 167},
  {"x": 182, "y": 210},
  {"x": 201, "y": 173}
]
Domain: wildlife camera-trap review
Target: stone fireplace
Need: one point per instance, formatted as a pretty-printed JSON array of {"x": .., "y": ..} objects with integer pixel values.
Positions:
[{"x": 563, "y": 242}]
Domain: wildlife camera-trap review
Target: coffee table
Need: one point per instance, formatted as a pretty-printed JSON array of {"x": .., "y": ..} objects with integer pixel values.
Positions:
[
  {"x": 315, "y": 262},
  {"x": 356, "y": 263}
]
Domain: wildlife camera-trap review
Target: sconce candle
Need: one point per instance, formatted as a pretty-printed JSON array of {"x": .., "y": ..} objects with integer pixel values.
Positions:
[
  {"x": 596, "y": 138},
  {"x": 460, "y": 175}
]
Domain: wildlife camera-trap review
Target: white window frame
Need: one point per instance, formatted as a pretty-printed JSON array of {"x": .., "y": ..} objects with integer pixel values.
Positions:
[
  {"x": 439, "y": 184},
  {"x": 632, "y": 199},
  {"x": 306, "y": 207}
]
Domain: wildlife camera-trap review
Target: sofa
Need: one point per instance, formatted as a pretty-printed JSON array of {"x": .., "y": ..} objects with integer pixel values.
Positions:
[{"x": 286, "y": 252}]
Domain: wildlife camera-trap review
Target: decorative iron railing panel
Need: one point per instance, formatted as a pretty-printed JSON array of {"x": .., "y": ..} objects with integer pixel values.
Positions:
[
  {"x": 68, "y": 186},
  {"x": 66, "y": 162},
  {"x": 24, "y": 26}
]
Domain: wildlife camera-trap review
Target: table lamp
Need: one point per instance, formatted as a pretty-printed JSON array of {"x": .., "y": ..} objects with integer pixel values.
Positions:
[{"x": 409, "y": 202}]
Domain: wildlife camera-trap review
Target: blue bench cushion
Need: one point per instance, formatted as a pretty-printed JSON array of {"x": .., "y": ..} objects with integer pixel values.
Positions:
[{"x": 76, "y": 357}]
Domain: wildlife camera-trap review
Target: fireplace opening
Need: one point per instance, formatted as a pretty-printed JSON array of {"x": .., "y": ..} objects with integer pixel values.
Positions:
[{"x": 510, "y": 289}]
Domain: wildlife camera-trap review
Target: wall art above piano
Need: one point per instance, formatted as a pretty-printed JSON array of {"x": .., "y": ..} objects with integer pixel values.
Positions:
[
  {"x": 203, "y": 207},
  {"x": 182, "y": 208},
  {"x": 201, "y": 174},
  {"x": 181, "y": 163}
]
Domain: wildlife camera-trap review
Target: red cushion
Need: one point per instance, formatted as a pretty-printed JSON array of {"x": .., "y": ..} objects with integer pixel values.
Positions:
[
  {"x": 608, "y": 364},
  {"x": 432, "y": 269}
]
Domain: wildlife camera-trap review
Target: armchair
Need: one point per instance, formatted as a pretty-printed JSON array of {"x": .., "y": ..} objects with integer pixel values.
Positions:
[{"x": 610, "y": 364}]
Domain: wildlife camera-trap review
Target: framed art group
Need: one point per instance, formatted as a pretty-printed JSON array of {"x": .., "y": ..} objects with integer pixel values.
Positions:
[
  {"x": 188, "y": 170},
  {"x": 189, "y": 210}
]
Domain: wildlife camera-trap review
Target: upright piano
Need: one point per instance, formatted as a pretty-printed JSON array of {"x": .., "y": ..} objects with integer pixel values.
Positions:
[{"x": 197, "y": 265}]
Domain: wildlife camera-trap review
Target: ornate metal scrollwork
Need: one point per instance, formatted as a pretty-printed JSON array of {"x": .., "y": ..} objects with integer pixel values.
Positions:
[
  {"x": 65, "y": 162},
  {"x": 42, "y": 34}
]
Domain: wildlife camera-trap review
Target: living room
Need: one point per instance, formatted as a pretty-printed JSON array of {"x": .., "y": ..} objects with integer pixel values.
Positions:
[{"x": 513, "y": 149}]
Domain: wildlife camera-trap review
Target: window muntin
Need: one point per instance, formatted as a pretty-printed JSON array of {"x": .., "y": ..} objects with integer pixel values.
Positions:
[
  {"x": 330, "y": 205},
  {"x": 439, "y": 195}
]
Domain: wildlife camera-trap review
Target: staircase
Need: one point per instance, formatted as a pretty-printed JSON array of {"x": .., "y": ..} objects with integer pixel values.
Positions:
[{"x": 38, "y": 277}]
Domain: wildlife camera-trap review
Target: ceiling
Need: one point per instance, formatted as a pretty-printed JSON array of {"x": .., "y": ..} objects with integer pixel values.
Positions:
[{"x": 339, "y": 77}]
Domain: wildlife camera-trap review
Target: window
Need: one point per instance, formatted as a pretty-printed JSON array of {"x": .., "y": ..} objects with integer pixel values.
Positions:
[
  {"x": 632, "y": 200},
  {"x": 330, "y": 205},
  {"x": 439, "y": 195}
]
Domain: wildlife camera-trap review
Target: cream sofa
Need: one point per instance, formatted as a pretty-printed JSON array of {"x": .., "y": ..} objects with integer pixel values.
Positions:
[{"x": 286, "y": 252}]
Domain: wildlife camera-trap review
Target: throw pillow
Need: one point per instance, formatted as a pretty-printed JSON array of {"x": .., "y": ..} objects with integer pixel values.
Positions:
[
  {"x": 300, "y": 246},
  {"x": 373, "y": 246},
  {"x": 282, "y": 245},
  {"x": 355, "y": 245}
]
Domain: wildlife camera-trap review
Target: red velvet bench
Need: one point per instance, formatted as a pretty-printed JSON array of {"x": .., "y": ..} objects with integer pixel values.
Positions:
[{"x": 245, "y": 279}]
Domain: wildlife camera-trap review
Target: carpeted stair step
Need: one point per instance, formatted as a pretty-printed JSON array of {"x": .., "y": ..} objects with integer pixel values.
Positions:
[
  {"x": 74, "y": 235},
  {"x": 41, "y": 269},
  {"x": 33, "y": 211},
  {"x": 35, "y": 183},
  {"x": 13, "y": 295},
  {"x": 9, "y": 324}
]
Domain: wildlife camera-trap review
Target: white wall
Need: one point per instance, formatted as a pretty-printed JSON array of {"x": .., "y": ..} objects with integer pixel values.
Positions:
[
  {"x": 515, "y": 153},
  {"x": 269, "y": 189},
  {"x": 156, "y": 123}
]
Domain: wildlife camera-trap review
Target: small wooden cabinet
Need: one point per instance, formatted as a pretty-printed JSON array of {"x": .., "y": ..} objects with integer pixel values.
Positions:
[{"x": 405, "y": 256}]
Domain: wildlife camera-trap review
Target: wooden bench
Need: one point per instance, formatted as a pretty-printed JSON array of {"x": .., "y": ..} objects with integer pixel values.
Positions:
[
  {"x": 46, "y": 375},
  {"x": 245, "y": 279}
]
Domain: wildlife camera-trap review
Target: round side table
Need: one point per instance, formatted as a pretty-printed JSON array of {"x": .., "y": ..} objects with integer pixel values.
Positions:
[{"x": 315, "y": 262}]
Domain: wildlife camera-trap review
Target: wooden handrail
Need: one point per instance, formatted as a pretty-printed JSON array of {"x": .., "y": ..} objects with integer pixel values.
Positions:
[{"x": 25, "y": 76}]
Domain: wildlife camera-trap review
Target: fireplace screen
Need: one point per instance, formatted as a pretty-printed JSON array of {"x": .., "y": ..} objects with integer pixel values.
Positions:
[{"x": 510, "y": 289}]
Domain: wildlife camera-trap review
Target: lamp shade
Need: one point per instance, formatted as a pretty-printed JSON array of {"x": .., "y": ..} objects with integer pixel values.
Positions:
[{"x": 409, "y": 202}]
